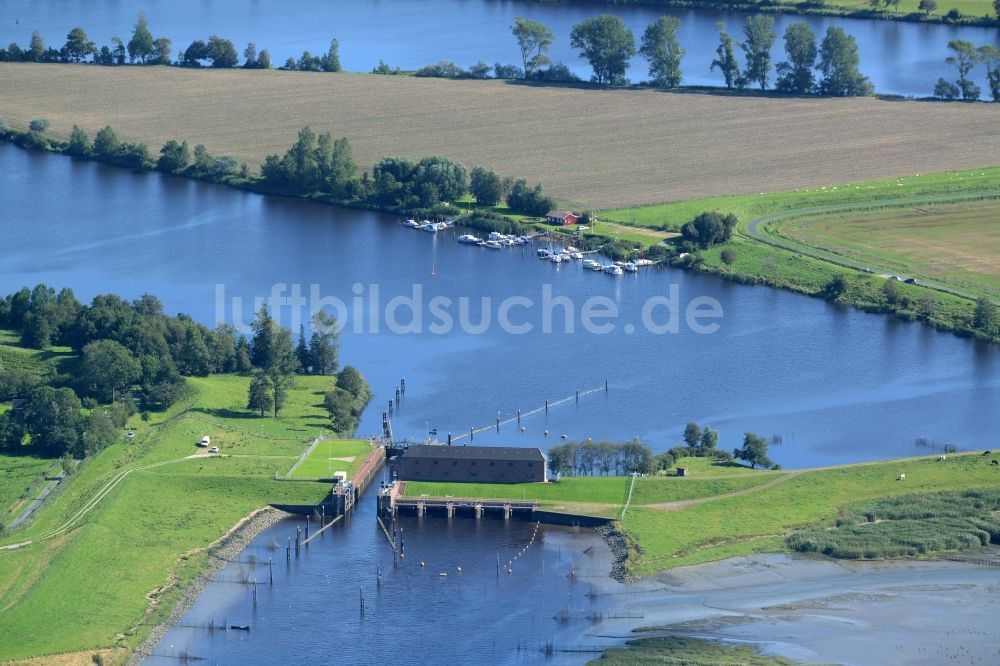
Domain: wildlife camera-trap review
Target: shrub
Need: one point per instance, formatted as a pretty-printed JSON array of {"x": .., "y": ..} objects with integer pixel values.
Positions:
[
  {"x": 728, "y": 257},
  {"x": 38, "y": 125}
]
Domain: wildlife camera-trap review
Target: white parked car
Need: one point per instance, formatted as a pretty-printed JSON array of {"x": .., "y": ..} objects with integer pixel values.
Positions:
[{"x": 214, "y": 449}]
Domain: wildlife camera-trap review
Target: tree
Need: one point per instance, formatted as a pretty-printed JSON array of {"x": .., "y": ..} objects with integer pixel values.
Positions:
[
  {"x": 835, "y": 288},
  {"x": 174, "y": 156},
  {"x": 838, "y": 61},
  {"x": 663, "y": 51},
  {"x": 352, "y": 381},
  {"x": 302, "y": 351},
  {"x": 480, "y": 70},
  {"x": 140, "y": 47},
  {"x": 38, "y": 124},
  {"x": 486, "y": 186},
  {"x": 250, "y": 56},
  {"x": 108, "y": 367},
  {"x": 271, "y": 351},
  {"x": 264, "y": 59},
  {"x": 106, "y": 143},
  {"x": 52, "y": 418},
  {"x": 260, "y": 397},
  {"x": 692, "y": 433},
  {"x": 760, "y": 36},
  {"x": 194, "y": 54},
  {"x": 965, "y": 58},
  {"x": 945, "y": 89},
  {"x": 984, "y": 317},
  {"x": 709, "y": 439},
  {"x": 331, "y": 61},
  {"x": 754, "y": 451},
  {"x": 709, "y": 228},
  {"x": 529, "y": 201},
  {"x": 99, "y": 432},
  {"x": 534, "y": 40},
  {"x": 996, "y": 8},
  {"x": 36, "y": 48},
  {"x": 324, "y": 344},
  {"x": 160, "y": 55},
  {"x": 990, "y": 57},
  {"x": 929, "y": 6},
  {"x": 79, "y": 144},
  {"x": 203, "y": 160},
  {"x": 221, "y": 52},
  {"x": 796, "y": 74},
  {"x": 607, "y": 45},
  {"x": 725, "y": 57},
  {"x": 78, "y": 46}
]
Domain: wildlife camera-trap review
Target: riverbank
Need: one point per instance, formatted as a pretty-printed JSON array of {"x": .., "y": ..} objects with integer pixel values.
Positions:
[
  {"x": 969, "y": 12},
  {"x": 219, "y": 553},
  {"x": 803, "y": 609}
]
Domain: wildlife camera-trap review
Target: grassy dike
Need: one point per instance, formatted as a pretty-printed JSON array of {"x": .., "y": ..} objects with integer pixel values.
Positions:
[
  {"x": 808, "y": 270},
  {"x": 115, "y": 572},
  {"x": 723, "y": 511}
]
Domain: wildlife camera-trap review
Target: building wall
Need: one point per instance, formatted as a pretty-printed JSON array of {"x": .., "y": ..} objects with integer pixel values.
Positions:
[{"x": 471, "y": 471}]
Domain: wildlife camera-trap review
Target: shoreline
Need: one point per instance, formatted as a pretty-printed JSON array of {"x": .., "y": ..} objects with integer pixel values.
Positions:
[{"x": 220, "y": 552}]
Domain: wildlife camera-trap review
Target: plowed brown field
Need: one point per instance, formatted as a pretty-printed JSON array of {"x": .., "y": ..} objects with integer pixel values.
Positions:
[{"x": 600, "y": 148}]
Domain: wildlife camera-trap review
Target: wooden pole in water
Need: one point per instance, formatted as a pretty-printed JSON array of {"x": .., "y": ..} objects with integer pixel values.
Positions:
[
  {"x": 578, "y": 397},
  {"x": 546, "y": 405},
  {"x": 472, "y": 433},
  {"x": 498, "y": 424},
  {"x": 605, "y": 384},
  {"x": 361, "y": 593},
  {"x": 498, "y": 565},
  {"x": 402, "y": 385},
  {"x": 270, "y": 572}
]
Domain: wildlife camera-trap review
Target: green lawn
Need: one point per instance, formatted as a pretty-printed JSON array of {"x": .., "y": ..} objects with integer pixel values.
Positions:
[
  {"x": 18, "y": 473},
  {"x": 137, "y": 534},
  {"x": 593, "y": 489},
  {"x": 958, "y": 243},
  {"x": 32, "y": 361},
  {"x": 332, "y": 455},
  {"x": 759, "y": 521},
  {"x": 670, "y": 216}
]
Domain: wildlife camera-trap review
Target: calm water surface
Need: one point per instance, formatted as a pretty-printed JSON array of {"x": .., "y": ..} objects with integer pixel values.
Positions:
[
  {"x": 837, "y": 385},
  {"x": 900, "y": 58}
]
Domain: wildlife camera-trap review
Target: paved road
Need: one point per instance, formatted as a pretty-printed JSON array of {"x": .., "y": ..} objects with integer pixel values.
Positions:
[
  {"x": 754, "y": 232},
  {"x": 39, "y": 499}
]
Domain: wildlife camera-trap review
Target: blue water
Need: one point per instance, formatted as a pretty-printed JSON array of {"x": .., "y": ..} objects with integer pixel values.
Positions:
[{"x": 900, "y": 58}]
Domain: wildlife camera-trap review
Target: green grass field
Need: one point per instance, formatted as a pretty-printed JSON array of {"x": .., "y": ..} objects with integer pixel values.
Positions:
[
  {"x": 958, "y": 244},
  {"x": 759, "y": 521},
  {"x": 33, "y": 361},
  {"x": 685, "y": 651},
  {"x": 133, "y": 540},
  {"x": 332, "y": 455},
  {"x": 18, "y": 474}
]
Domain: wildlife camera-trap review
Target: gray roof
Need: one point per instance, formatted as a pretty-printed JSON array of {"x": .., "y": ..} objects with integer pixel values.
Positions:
[
  {"x": 474, "y": 452},
  {"x": 559, "y": 213}
]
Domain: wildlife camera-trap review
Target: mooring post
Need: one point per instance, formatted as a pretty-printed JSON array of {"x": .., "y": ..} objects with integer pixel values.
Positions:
[
  {"x": 402, "y": 385},
  {"x": 519, "y": 417},
  {"x": 361, "y": 593},
  {"x": 472, "y": 433},
  {"x": 255, "y": 592},
  {"x": 498, "y": 565},
  {"x": 449, "y": 439},
  {"x": 402, "y": 544},
  {"x": 270, "y": 572},
  {"x": 390, "y": 406},
  {"x": 298, "y": 536},
  {"x": 397, "y": 396},
  {"x": 498, "y": 424},
  {"x": 605, "y": 384},
  {"x": 307, "y": 528},
  {"x": 578, "y": 397},
  {"x": 546, "y": 405}
]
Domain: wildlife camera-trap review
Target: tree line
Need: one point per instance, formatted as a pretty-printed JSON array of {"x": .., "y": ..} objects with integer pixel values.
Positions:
[
  {"x": 132, "y": 356},
  {"x": 966, "y": 57},
  {"x": 143, "y": 48},
  {"x": 314, "y": 166}
]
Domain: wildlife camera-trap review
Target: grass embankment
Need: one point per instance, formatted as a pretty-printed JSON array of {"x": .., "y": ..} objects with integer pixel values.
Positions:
[
  {"x": 604, "y": 496},
  {"x": 759, "y": 521},
  {"x": 330, "y": 456},
  {"x": 954, "y": 243},
  {"x": 613, "y": 147},
  {"x": 134, "y": 541},
  {"x": 681, "y": 650},
  {"x": 757, "y": 262}
]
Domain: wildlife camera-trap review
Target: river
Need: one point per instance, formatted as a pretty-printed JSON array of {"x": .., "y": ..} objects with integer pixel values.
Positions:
[
  {"x": 899, "y": 57},
  {"x": 834, "y": 385}
]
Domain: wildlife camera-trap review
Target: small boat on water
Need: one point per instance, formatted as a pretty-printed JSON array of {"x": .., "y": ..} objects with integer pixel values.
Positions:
[
  {"x": 556, "y": 258},
  {"x": 629, "y": 267},
  {"x": 571, "y": 249},
  {"x": 613, "y": 270},
  {"x": 543, "y": 253},
  {"x": 493, "y": 245},
  {"x": 430, "y": 227},
  {"x": 469, "y": 239},
  {"x": 578, "y": 255},
  {"x": 411, "y": 223},
  {"x": 591, "y": 264}
]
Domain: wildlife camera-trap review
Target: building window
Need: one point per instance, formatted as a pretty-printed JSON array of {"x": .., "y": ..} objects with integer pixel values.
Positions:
[
  {"x": 492, "y": 464},
  {"x": 510, "y": 464},
  {"x": 454, "y": 463},
  {"x": 435, "y": 462},
  {"x": 473, "y": 463},
  {"x": 531, "y": 464}
]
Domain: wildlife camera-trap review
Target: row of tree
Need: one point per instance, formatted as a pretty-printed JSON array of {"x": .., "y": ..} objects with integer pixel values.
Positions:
[
  {"x": 145, "y": 49},
  {"x": 966, "y": 57},
  {"x": 591, "y": 458},
  {"x": 608, "y": 45}
]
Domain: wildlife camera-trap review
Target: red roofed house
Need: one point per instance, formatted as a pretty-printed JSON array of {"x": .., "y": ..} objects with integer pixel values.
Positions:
[{"x": 561, "y": 218}]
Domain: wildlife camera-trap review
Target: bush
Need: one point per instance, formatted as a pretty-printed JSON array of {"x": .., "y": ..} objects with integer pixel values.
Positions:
[
  {"x": 953, "y": 14},
  {"x": 38, "y": 125},
  {"x": 445, "y": 69},
  {"x": 728, "y": 257}
]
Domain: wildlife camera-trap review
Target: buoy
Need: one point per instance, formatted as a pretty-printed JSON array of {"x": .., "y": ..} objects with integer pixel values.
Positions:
[
  {"x": 546, "y": 432},
  {"x": 442, "y": 574},
  {"x": 523, "y": 428},
  {"x": 564, "y": 436},
  {"x": 460, "y": 570},
  {"x": 510, "y": 571},
  {"x": 422, "y": 564}
]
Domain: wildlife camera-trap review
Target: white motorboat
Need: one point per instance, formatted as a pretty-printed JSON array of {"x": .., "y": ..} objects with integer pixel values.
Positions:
[
  {"x": 556, "y": 258},
  {"x": 543, "y": 253},
  {"x": 629, "y": 267},
  {"x": 469, "y": 239},
  {"x": 493, "y": 245},
  {"x": 411, "y": 223},
  {"x": 592, "y": 264},
  {"x": 613, "y": 270}
]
